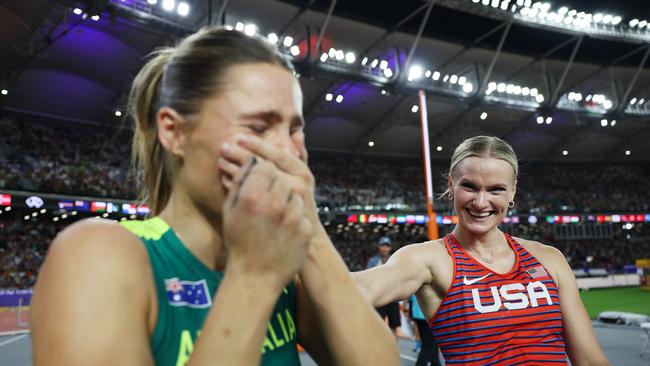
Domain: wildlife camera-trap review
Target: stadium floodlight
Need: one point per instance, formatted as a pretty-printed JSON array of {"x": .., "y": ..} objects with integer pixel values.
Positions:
[
  {"x": 563, "y": 10},
  {"x": 643, "y": 23},
  {"x": 598, "y": 17},
  {"x": 415, "y": 108},
  {"x": 607, "y": 18},
  {"x": 445, "y": 78},
  {"x": 484, "y": 115},
  {"x": 4, "y": 92},
  {"x": 77, "y": 11},
  {"x": 462, "y": 80},
  {"x": 501, "y": 87},
  {"x": 239, "y": 26},
  {"x": 118, "y": 113},
  {"x": 436, "y": 75},
  {"x": 572, "y": 13},
  {"x": 641, "y": 101},
  {"x": 616, "y": 20},
  {"x": 287, "y": 41},
  {"x": 415, "y": 72},
  {"x": 510, "y": 89},
  {"x": 612, "y": 123},
  {"x": 183, "y": 9},
  {"x": 549, "y": 120},
  {"x": 607, "y": 104},
  {"x": 492, "y": 85},
  {"x": 603, "y": 122},
  {"x": 168, "y": 5},
  {"x": 273, "y": 38},
  {"x": 565, "y": 153},
  {"x": 525, "y": 91},
  {"x": 495, "y": 3},
  {"x": 350, "y": 57},
  {"x": 323, "y": 57},
  {"x": 95, "y": 17},
  {"x": 438, "y": 148},
  {"x": 634, "y": 22},
  {"x": 633, "y": 101},
  {"x": 250, "y": 29},
  {"x": 340, "y": 55},
  {"x": 388, "y": 73},
  {"x": 427, "y": 74},
  {"x": 468, "y": 87},
  {"x": 364, "y": 61},
  {"x": 374, "y": 63},
  {"x": 295, "y": 50},
  {"x": 628, "y": 152},
  {"x": 339, "y": 98},
  {"x": 533, "y": 92},
  {"x": 539, "y": 98},
  {"x": 329, "y": 97},
  {"x": 371, "y": 143},
  {"x": 540, "y": 120},
  {"x": 383, "y": 92},
  {"x": 332, "y": 52},
  {"x": 383, "y": 64},
  {"x": 453, "y": 79},
  {"x": 485, "y": 2}
]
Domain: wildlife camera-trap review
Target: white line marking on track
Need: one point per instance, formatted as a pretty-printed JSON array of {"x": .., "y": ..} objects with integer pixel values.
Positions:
[
  {"x": 408, "y": 357},
  {"x": 13, "y": 340}
]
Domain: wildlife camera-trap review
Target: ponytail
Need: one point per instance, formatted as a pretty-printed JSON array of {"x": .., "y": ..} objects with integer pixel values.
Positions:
[{"x": 149, "y": 158}]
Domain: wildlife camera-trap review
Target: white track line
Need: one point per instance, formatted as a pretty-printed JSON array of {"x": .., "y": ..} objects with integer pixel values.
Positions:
[
  {"x": 408, "y": 357},
  {"x": 13, "y": 340}
]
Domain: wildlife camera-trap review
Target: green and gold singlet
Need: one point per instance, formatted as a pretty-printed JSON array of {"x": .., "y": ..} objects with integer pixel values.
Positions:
[{"x": 186, "y": 288}]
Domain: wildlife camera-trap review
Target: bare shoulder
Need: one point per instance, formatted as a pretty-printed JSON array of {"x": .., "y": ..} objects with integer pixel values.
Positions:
[
  {"x": 541, "y": 251},
  {"x": 430, "y": 252},
  {"x": 94, "y": 240}
]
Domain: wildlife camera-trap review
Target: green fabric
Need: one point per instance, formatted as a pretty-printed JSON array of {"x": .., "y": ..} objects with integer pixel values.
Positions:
[{"x": 179, "y": 324}]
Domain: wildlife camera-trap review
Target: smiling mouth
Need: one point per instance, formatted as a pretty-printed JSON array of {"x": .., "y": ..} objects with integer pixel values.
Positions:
[{"x": 480, "y": 215}]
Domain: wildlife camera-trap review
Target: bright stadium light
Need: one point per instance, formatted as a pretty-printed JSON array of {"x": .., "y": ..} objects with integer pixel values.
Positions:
[
  {"x": 350, "y": 57},
  {"x": 616, "y": 20},
  {"x": 565, "y": 153},
  {"x": 468, "y": 87},
  {"x": 525, "y": 91},
  {"x": 388, "y": 73},
  {"x": 612, "y": 123},
  {"x": 295, "y": 50},
  {"x": 415, "y": 72},
  {"x": 634, "y": 22},
  {"x": 183, "y": 9},
  {"x": 323, "y": 57},
  {"x": 4, "y": 92},
  {"x": 643, "y": 23},
  {"x": 415, "y": 108},
  {"x": 438, "y": 148},
  {"x": 501, "y": 87},
  {"x": 95, "y": 17},
  {"x": 77, "y": 11},
  {"x": 364, "y": 61},
  {"x": 287, "y": 41},
  {"x": 371, "y": 143},
  {"x": 539, "y": 98},
  {"x": 607, "y": 18},
  {"x": 549, "y": 120},
  {"x": 427, "y": 74},
  {"x": 273, "y": 38},
  {"x": 603, "y": 122},
  {"x": 250, "y": 29},
  {"x": 462, "y": 80},
  {"x": 239, "y": 26},
  {"x": 329, "y": 97},
  {"x": 340, "y": 55},
  {"x": 383, "y": 64},
  {"x": 374, "y": 63},
  {"x": 453, "y": 79},
  {"x": 627, "y": 152},
  {"x": 168, "y": 5},
  {"x": 484, "y": 115},
  {"x": 633, "y": 101},
  {"x": 339, "y": 98},
  {"x": 436, "y": 75},
  {"x": 118, "y": 113},
  {"x": 598, "y": 17},
  {"x": 540, "y": 120}
]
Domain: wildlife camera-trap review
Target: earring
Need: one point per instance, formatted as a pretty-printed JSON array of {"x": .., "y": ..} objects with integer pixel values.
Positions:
[{"x": 511, "y": 204}]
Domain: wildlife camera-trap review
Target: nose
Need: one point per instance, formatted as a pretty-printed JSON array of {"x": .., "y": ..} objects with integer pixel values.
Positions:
[{"x": 480, "y": 201}]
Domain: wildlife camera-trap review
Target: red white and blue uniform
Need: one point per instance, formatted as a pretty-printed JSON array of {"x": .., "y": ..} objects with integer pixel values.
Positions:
[{"x": 488, "y": 318}]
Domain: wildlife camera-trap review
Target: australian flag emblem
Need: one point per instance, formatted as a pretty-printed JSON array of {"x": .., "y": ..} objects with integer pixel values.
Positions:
[{"x": 193, "y": 294}]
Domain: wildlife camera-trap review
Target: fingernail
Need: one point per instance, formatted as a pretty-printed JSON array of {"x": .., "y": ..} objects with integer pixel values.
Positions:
[{"x": 226, "y": 147}]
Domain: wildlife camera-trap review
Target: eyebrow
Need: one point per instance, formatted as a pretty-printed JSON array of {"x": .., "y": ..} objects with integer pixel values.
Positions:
[{"x": 274, "y": 117}]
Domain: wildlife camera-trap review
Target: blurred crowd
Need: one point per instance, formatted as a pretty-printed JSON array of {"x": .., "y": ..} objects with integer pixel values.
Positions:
[{"x": 93, "y": 161}]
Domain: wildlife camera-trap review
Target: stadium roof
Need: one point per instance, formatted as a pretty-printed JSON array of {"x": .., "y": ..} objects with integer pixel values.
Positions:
[{"x": 58, "y": 65}]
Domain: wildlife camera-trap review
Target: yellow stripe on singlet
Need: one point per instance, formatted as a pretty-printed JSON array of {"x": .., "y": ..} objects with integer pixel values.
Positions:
[{"x": 150, "y": 229}]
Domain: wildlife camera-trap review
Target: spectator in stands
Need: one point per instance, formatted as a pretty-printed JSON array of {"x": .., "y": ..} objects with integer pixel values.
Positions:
[{"x": 390, "y": 311}]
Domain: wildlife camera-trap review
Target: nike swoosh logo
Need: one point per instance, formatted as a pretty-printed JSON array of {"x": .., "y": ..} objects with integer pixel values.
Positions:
[{"x": 473, "y": 281}]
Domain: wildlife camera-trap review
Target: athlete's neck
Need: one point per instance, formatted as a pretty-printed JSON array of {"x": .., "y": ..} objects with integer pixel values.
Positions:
[
  {"x": 201, "y": 236},
  {"x": 490, "y": 241}
]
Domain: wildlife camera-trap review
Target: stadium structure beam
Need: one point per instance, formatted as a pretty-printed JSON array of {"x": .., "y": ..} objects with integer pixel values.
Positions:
[
  {"x": 296, "y": 16},
  {"x": 472, "y": 45},
  {"x": 480, "y": 91},
  {"x": 622, "y": 103},
  {"x": 324, "y": 27},
  {"x": 222, "y": 10},
  {"x": 603, "y": 68},
  {"x": 414, "y": 46},
  {"x": 541, "y": 57},
  {"x": 374, "y": 126},
  {"x": 392, "y": 30},
  {"x": 553, "y": 100}
]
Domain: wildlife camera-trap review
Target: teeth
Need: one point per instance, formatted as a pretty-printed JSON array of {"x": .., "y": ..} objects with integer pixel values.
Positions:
[{"x": 481, "y": 214}]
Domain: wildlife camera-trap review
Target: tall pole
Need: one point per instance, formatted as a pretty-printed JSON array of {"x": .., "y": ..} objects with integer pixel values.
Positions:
[{"x": 432, "y": 225}]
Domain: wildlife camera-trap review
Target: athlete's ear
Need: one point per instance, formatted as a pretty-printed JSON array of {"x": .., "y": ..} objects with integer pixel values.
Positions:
[{"x": 170, "y": 130}]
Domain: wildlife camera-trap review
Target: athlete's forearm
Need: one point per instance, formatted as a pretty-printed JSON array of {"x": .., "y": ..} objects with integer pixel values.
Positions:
[
  {"x": 234, "y": 329},
  {"x": 352, "y": 329}
]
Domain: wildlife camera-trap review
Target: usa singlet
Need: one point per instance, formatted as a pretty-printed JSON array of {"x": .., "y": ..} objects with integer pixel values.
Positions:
[
  {"x": 489, "y": 318},
  {"x": 185, "y": 289}
]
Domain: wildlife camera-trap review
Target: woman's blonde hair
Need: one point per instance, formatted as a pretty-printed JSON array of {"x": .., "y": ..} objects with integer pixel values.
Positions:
[{"x": 181, "y": 78}]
